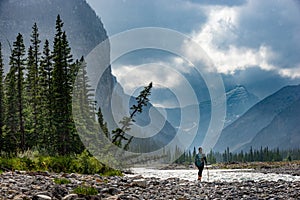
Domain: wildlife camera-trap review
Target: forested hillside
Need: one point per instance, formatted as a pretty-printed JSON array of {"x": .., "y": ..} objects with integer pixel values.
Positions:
[{"x": 36, "y": 95}]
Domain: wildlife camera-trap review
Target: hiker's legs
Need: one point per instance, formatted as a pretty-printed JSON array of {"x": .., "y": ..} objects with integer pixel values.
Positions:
[{"x": 200, "y": 172}]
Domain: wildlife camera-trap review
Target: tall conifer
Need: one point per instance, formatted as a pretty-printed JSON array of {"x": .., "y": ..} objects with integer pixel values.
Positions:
[
  {"x": 33, "y": 78},
  {"x": 1, "y": 98},
  {"x": 15, "y": 98},
  {"x": 46, "y": 98},
  {"x": 64, "y": 72}
]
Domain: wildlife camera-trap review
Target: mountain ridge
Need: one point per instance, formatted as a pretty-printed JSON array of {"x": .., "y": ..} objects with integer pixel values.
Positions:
[
  {"x": 83, "y": 27},
  {"x": 244, "y": 129}
]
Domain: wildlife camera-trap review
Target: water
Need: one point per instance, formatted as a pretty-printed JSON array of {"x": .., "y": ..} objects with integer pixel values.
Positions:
[{"x": 228, "y": 175}]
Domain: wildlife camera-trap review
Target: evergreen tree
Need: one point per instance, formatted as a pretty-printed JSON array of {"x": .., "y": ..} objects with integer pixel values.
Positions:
[
  {"x": 194, "y": 153},
  {"x": 1, "y": 98},
  {"x": 59, "y": 91},
  {"x": 84, "y": 95},
  {"x": 18, "y": 59},
  {"x": 15, "y": 135},
  {"x": 45, "y": 113},
  {"x": 32, "y": 137},
  {"x": 84, "y": 106},
  {"x": 64, "y": 72},
  {"x": 119, "y": 133},
  {"x": 11, "y": 136},
  {"x": 103, "y": 124},
  {"x": 33, "y": 80}
]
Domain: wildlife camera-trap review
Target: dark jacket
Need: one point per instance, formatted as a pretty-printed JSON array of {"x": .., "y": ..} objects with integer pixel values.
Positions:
[{"x": 200, "y": 160}]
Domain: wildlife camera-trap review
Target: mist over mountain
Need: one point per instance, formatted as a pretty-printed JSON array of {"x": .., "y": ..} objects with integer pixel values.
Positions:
[
  {"x": 239, "y": 100},
  {"x": 83, "y": 27},
  {"x": 271, "y": 122}
]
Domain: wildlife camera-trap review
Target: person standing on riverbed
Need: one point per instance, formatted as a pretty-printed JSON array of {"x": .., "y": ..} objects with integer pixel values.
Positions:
[{"x": 200, "y": 160}]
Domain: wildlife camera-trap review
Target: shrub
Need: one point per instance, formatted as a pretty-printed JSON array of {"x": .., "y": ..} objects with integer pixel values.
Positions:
[
  {"x": 83, "y": 163},
  {"x": 61, "y": 181},
  {"x": 85, "y": 190}
]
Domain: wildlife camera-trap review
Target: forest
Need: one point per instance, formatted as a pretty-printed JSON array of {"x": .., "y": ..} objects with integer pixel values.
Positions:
[
  {"x": 36, "y": 96},
  {"x": 253, "y": 155}
]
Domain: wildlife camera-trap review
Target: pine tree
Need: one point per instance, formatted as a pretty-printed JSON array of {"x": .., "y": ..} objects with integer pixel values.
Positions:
[
  {"x": 59, "y": 106},
  {"x": 33, "y": 80},
  {"x": 64, "y": 72},
  {"x": 11, "y": 136},
  {"x": 194, "y": 153},
  {"x": 103, "y": 124},
  {"x": 1, "y": 98},
  {"x": 15, "y": 133},
  {"x": 85, "y": 95},
  {"x": 18, "y": 60},
  {"x": 45, "y": 113},
  {"x": 84, "y": 105},
  {"x": 119, "y": 133},
  {"x": 32, "y": 138}
]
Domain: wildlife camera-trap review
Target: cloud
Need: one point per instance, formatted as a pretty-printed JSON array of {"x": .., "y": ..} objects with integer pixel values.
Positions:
[
  {"x": 246, "y": 39},
  {"x": 169, "y": 80},
  {"x": 231, "y": 41},
  {"x": 168, "y": 73},
  {"x": 134, "y": 76},
  {"x": 293, "y": 73},
  {"x": 118, "y": 16}
]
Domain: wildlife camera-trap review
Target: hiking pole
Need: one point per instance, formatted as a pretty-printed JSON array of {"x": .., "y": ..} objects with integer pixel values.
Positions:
[{"x": 207, "y": 174}]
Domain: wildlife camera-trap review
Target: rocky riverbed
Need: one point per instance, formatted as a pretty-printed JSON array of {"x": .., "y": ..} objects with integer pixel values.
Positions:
[{"x": 30, "y": 185}]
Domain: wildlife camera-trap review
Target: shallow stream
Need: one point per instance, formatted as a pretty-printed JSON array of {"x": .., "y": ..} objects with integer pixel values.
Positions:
[{"x": 212, "y": 175}]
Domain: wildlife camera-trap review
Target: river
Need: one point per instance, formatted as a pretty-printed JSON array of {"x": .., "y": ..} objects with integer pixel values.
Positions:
[{"x": 213, "y": 175}]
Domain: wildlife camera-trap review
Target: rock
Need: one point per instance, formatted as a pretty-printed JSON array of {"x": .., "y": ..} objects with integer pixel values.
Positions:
[
  {"x": 123, "y": 188},
  {"x": 21, "y": 197},
  {"x": 140, "y": 183},
  {"x": 59, "y": 192},
  {"x": 113, "y": 191},
  {"x": 70, "y": 197},
  {"x": 41, "y": 197}
]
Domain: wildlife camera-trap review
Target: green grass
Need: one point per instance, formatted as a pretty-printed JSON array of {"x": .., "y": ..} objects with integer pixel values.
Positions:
[
  {"x": 61, "y": 181},
  {"x": 85, "y": 190},
  {"x": 82, "y": 163}
]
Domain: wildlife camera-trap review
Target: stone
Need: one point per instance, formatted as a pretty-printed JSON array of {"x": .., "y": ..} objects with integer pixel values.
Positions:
[
  {"x": 21, "y": 197},
  {"x": 113, "y": 191},
  {"x": 41, "y": 197},
  {"x": 59, "y": 192},
  {"x": 70, "y": 197},
  {"x": 140, "y": 183}
]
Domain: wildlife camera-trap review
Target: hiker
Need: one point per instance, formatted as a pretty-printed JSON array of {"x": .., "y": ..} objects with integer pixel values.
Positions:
[{"x": 200, "y": 160}]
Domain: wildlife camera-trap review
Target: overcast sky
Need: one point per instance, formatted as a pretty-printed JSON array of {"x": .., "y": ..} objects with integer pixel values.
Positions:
[{"x": 254, "y": 43}]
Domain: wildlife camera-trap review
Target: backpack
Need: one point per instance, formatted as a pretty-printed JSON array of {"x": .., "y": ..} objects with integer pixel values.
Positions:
[{"x": 198, "y": 161}]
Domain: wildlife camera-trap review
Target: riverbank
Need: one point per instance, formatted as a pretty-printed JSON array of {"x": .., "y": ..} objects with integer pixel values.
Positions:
[
  {"x": 283, "y": 167},
  {"x": 29, "y": 185}
]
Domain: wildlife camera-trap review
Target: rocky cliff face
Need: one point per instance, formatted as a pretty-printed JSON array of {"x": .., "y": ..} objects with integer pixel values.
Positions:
[
  {"x": 267, "y": 123},
  {"x": 239, "y": 100},
  {"x": 83, "y": 27}
]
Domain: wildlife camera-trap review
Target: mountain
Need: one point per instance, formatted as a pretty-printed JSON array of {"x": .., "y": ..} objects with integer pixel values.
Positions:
[
  {"x": 283, "y": 132},
  {"x": 84, "y": 30},
  {"x": 239, "y": 100},
  {"x": 259, "y": 120},
  {"x": 83, "y": 27}
]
